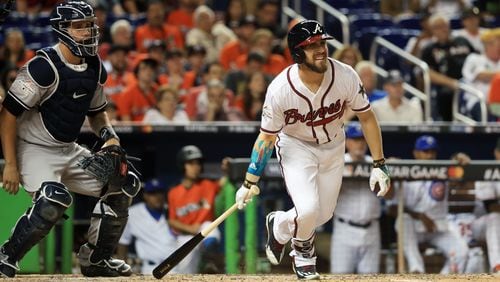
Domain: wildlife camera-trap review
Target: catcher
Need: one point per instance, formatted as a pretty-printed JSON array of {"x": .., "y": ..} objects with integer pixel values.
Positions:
[{"x": 41, "y": 118}]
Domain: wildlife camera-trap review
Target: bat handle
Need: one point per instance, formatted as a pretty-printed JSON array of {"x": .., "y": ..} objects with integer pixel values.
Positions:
[{"x": 254, "y": 190}]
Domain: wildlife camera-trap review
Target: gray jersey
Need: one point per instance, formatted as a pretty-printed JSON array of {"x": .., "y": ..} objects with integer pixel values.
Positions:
[
  {"x": 27, "y": 92},
  {"x": 356, "y": 201}
]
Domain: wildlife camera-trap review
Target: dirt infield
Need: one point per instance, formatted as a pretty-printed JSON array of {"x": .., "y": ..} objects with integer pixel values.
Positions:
[{"x": 268, "y": 278}]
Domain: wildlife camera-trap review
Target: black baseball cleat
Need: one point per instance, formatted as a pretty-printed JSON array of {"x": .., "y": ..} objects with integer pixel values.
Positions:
[
  {"x": 107, "y": 268},
  {"x": 7, "y": 268},
  {"x": 306, "y": 272},
  {"x": 274, "y": 249}
]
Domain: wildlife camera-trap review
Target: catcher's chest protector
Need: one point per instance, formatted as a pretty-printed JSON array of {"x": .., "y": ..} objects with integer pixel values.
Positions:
[{"x": 64, "y": 112}]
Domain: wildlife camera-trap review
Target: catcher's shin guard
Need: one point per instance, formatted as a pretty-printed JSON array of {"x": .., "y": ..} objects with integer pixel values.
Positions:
[
  {"x": 106, "y": 226},
  {"x": 49, "y": 205}
]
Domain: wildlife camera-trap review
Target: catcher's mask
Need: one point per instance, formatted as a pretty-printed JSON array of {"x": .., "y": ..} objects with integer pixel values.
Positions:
[{"x": 79, "y": 17}]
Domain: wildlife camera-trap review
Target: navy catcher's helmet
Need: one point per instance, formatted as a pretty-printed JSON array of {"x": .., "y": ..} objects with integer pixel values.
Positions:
[
  {"x": 188, "y": 153},
  {"x": 64, "y": 15},
  {"x": 304, "y": 33}
]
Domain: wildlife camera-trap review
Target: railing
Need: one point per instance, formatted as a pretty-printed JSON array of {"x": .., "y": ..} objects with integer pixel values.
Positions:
[
  {"x": 290, "y": 13},
  {"x": 424, "y": 96},
  {"x": 456, "y": 101},
  {"x": 322, "y": 7}
]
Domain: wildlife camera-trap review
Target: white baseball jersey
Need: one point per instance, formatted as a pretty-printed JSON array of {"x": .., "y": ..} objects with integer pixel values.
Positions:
[
  {"x": 487, "y": 227},
  {"x": 356, "y": 201},
  {"x": 429, "y": 197},
  {"x": 310, "y": 144},
  {"x": 153, "y": 239},
  {"x": 292, "y": 109},
  {"x": 356, "y": 249},
  {"x": 473, "y": 65},
  {"x": 487, "y": 190}
]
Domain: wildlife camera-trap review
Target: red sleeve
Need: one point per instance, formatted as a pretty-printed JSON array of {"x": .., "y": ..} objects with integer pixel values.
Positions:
[
  {"x": 140, "y": 34},
  {"x": 171, "y": 203}
]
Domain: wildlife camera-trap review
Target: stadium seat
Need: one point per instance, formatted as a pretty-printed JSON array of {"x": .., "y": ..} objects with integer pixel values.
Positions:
[
  {"x": 410, "y": 22},
  {"x": 376, "y": 21},
  {"x": 353, "y": 4}
]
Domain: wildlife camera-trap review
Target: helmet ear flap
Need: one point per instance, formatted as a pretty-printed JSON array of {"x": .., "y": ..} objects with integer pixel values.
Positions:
[{"x": 299, "y": 56}]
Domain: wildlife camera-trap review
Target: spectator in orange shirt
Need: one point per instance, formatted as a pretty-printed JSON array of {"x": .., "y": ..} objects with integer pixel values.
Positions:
[
  {"x": 494, "y": 97},
  {"x": 208, "y": 32},
  {"x": 252, "y": 100},
  {"x": 191, "y": 207},
  {"x": 119, "y": 78},
  {"x": 183, "y": 15},
  {"x": 15, "y": 51},
  {"x": 140, "y": 97},
  {"x": 261, "y": 42},
  {"x": 155, "y": 28},
  {"x": 244, "y": 29}
]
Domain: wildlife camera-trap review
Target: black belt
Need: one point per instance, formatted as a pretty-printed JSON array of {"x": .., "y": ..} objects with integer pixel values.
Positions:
[{"x": 351, "y": 223}]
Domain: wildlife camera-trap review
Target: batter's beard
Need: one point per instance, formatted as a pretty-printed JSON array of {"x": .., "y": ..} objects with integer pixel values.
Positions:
[{"x": 315, "y": 68}]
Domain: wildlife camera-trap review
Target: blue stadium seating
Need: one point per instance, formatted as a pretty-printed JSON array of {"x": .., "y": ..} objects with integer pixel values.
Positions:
[
  {"x": 410, "y": 22},
  {"x": 366, "y": 21}
]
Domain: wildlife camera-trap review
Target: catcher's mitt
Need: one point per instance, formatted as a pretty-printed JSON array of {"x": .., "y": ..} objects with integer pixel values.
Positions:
[{"x": 109, "y": 165}]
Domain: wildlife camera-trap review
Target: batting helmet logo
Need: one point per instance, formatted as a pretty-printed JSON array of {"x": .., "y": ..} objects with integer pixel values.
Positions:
[{"x": 302, "y": 34}]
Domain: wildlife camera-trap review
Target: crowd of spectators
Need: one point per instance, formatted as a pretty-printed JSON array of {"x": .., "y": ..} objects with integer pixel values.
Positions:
[{"x": 183, "y": 45}]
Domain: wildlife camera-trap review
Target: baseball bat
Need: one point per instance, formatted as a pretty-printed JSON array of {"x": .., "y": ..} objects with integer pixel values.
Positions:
[{"x": 165, "y": 266}]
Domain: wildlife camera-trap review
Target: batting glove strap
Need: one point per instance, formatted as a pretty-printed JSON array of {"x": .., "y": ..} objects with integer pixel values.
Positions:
[
  {"x": 379, "y": 163},
  {"x": 381, "y": 176}
]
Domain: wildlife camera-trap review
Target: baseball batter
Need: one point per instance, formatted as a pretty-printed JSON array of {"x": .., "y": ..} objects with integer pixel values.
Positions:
[
  {"x": 40, "y": 121},
  {"x": 302, "y": 117},
  {"x": 355, "y": 246},
  {"x": 487, "y": 227},
  {"x": 426, "y": 209}
]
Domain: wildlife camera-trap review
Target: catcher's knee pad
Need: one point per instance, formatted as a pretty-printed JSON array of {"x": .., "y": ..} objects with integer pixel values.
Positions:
[
  {"x": 49, "y": 205},
  {"x": 132, "y": 185}
]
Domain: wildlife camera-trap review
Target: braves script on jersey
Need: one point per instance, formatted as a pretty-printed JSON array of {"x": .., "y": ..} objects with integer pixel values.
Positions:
[{"x": 291, "y": 108}]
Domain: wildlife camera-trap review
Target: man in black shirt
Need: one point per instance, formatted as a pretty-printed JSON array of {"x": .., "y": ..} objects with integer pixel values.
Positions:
[{"x": 445, "y": 57}]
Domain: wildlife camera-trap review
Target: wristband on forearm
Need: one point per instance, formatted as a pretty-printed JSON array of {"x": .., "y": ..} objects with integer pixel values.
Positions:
[
  {"x": 106, "y": 133},
  {"x": 248, "y": 184},
  {"x": 379, "y": 163}
]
